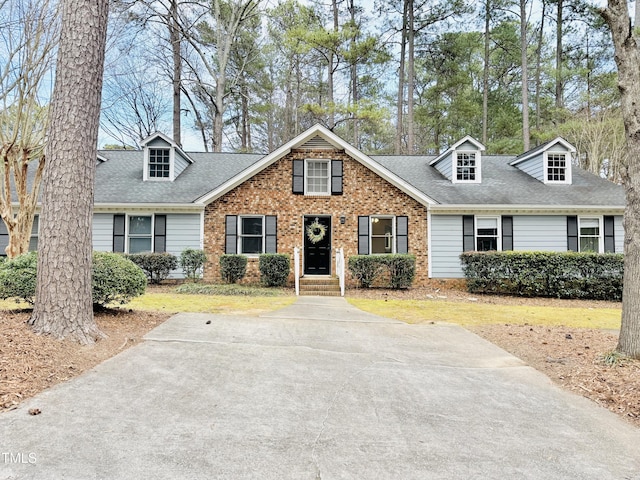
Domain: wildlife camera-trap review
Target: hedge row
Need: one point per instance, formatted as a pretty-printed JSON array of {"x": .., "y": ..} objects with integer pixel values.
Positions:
[
  {"x": 366, "y": 269},
  {"x": 115, "y": 279},
  {"x": 545, "y": 274}
]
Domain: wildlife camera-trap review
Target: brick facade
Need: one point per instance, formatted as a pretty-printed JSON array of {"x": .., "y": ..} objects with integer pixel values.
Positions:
[{"x": 270, "y": 193}]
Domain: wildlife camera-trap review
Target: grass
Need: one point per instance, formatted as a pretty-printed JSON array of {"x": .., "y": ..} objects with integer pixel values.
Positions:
[{"x": 423, "y": 311}]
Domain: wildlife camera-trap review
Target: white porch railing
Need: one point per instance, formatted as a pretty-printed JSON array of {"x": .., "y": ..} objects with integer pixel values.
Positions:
[
  {"x": 296, "y": 268},
  {"x": 340, "y": 269}
]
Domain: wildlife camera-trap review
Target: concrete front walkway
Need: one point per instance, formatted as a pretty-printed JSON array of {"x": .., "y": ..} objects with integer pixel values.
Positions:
[{"x": 317, "y": 390}]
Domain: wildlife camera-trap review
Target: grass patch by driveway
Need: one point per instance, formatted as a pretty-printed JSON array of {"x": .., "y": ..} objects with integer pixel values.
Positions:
[{"x": 470, "y": 314}]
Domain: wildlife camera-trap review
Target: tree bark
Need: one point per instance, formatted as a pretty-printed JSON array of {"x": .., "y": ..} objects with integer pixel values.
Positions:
[
  {"x": 539, "y": 66},
  {"x": 485, "y": 71},
  {"x": 559, "y": 55},
  {"x": 525, "y": 74},
  {"x": 627, "y": 59},
  {"x": 411, "y": 76},
  {"x": 174, "y": 37},
  {"x": 401, "y": 81},
  {"x": 64, "y": 306}
]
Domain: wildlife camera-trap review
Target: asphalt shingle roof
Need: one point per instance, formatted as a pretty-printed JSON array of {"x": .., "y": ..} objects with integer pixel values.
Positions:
[{"x": 119, "y": 180}]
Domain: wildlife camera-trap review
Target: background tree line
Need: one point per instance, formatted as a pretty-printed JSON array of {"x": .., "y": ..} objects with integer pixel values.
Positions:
[{"x": 399, "y": 77}]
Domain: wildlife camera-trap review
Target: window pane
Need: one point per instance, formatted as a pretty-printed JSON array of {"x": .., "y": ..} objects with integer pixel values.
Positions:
[
  {"x": 139, "y": 225},
  {"x": 251, "y": 226},
  {"x": 317, "y": 177},
  {"x": 139, "y": 245},
  {"x": 589, "y": 244},
  {"x": 381, "y": 226},
  {"x": 589, "y": 226},
  {"x": 251, "y": 245},
  {"x": 380, "y": 245},
  {"x": 486, "y": 244}
]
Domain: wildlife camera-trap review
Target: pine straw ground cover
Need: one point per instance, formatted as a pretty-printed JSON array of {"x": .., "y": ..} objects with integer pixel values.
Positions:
[{"x": 568, "y": 340}]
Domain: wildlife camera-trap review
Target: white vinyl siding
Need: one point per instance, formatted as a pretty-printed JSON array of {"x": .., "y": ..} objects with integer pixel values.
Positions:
[
  {"x": 446, "y": 246},
  {"x": 183, "y": 231},
  {"x": 540, "y": 233},
  {"x": 103, "y": 232}
]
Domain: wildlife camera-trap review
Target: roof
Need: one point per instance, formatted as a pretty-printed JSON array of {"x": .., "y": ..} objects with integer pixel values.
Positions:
[
  {"x": 462, "y": 141},
  {"x": 119, "y": 179},
  {"x": 541, "y": 148},
  {"x": 503, "y": 184}
]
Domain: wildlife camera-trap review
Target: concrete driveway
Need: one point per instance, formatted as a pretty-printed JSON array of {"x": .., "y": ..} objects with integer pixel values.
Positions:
[{"x": 318, "y": 390}]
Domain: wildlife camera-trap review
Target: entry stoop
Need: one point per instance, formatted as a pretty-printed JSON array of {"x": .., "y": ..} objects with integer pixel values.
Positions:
[{"x": 320, "y": 286}]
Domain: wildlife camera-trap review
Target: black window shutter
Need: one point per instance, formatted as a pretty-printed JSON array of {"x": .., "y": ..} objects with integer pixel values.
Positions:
[
  {"x": 336, "y": 177},
  {"x": 4, "y": 238},
  {"x": 231, "y": 234},
  {"x": 609, "y": 234},
  {"x": 468, "y": 233},
  {"x": 402, "y": 234},
  {"x": 118, "y": 233},
  {"x": 363, "y": 235},
  {"x": 572, "y": 233},
  {"x": 160, "y": 234},
  {"x": 507, "y": 232},
  {"x": 298, "y": 177},
  {"x": 271, "y": 231}
]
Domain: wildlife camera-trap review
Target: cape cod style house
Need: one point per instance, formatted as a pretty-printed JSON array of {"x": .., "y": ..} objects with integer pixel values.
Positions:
[{"x": 320, "y": 194}]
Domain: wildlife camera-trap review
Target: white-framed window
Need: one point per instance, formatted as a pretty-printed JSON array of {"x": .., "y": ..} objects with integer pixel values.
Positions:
[
  {"x": 382, "y": 234},
  {"x": 488, "y": 234},
  {"x": 557, "y": 167},
  {"x": 251, "y": 235},
  {"x": 317, "y": 179},
  {"x": 590, "y": 234},
  {"x": 466, "y": 167},
  {"x": 33, "y": 239},
  {"x": 139, "y": 233},
  {"x": 159, "y": 163}
]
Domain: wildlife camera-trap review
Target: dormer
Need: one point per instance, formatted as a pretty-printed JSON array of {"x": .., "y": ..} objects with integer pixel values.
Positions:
[
  {"x": 462, "y": 162},
  {"x": 164, "y": 160},
  {"x": 550, "y": 162}
]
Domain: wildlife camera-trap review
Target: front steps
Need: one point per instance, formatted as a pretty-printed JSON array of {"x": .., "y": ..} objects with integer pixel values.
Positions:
[{"x": 320, "y": 286}]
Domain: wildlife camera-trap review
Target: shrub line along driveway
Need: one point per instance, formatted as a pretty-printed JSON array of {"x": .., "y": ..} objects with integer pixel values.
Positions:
[{"x": 317, "y": 390}]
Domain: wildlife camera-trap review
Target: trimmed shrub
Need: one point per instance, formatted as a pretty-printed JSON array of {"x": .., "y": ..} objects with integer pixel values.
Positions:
[
  {"x": 115, "y": 279},
  {"x": 367, "y": 268},
  {"x": 18, "y": 277},
  {"x": 274, "y": 269},
  {"x": 545, "y": 274},
  {"x": 235, "y": 290},
  {"x": 402, "y": 270},
  {"x": 192, "y": 261},
  {"x": 233, "y": 267},
  {"x": 157, "y": 266}
]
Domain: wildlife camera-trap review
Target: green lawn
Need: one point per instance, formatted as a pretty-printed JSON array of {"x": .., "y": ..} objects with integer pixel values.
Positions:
[{"x": 421, "y": 311}]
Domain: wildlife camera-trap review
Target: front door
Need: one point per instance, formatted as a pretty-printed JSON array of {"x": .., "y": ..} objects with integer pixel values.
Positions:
[{"x": 317, "y": 245}]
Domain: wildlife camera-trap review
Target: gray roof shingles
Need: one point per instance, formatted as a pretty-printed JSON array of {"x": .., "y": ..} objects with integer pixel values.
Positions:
[{"x": 119, "y": 181}]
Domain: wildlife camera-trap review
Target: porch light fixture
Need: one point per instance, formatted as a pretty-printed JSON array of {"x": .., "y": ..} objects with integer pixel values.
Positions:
[{"x": 343, "y": 219}]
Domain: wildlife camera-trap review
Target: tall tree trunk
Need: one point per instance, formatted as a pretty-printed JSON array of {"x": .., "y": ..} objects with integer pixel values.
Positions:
[
  {"x": 401, "y": 80},
  {"x": 539, "y": 65},
  {"x": 330, "y": 86},
  {"x": 174, "y": 36},
  {"x": 525, "y": 74},
  {"x": 411, "y": 76},
  {"x": 64, "y": 306},
  {"x": 559, "y": 55},
  {"x": 628, "y": 61},
  {"x": 485, "y": 71},
  {"x": 354, "y": 76}
]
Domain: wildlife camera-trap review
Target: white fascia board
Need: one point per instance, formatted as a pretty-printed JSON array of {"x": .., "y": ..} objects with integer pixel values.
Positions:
[
  {"x": 170, "y": 141},
  {"x": 334, "y": 140},
  {"x": 148, "y": 207},
  {"x": 466, "y": 138},
  {"x": 535, "y": 151},
  {"x": 526, "y": 209}
]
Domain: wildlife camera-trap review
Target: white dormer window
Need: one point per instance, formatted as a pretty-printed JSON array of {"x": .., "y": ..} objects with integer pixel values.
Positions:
[
  {"x": 159, "y": 163},
  {"x": 467, "y": 168},
  {"x": 557, "y": 167}
]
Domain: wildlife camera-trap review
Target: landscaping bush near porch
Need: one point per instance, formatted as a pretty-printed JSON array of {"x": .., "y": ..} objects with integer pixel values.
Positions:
[
  {"x": 545, "y": 274},
  {"x": 274, "y": 269},
  {"x": 366, "y": 269},
  {"x": 233, "y": 267}
]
